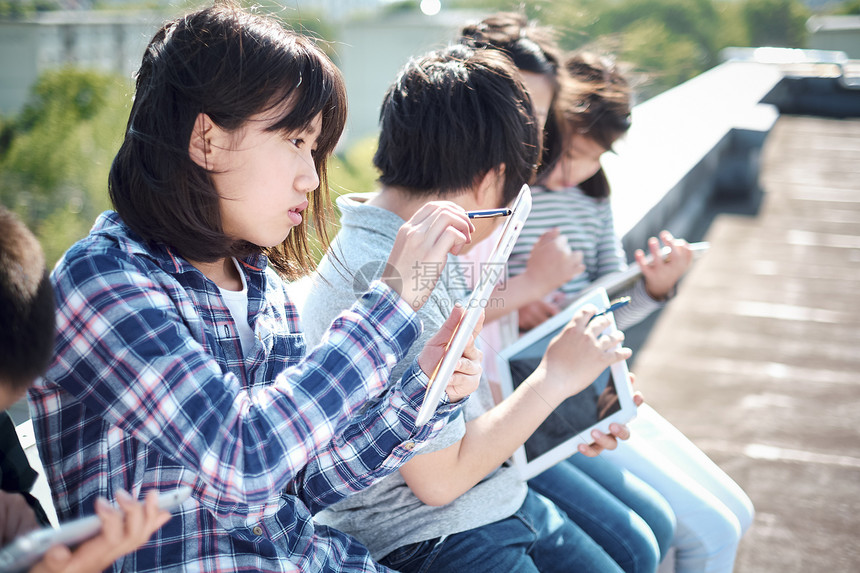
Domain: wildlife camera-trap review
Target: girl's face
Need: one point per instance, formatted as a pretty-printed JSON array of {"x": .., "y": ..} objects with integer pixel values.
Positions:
[
  {"x": 540, "y": 89},
  {"x": 264, "y": 180},
  {"x": 581, "y": 160}
]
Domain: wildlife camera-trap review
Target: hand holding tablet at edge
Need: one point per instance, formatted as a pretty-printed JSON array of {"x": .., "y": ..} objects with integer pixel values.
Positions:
[
  {"x": 609, "y": 441},
  {"x": 467, "y": 372}
]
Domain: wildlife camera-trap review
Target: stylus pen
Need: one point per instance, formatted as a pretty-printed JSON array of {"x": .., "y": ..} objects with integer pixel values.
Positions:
[
  {"x": 612, "y": 307},
  {"x": 487, "y": 213}
]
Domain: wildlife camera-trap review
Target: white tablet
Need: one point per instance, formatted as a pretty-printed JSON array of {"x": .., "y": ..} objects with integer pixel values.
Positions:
[
  {"x": 608, "y": 399},
  {"x": 492, "y": 271},
  {"x": 30, "y": 547}
]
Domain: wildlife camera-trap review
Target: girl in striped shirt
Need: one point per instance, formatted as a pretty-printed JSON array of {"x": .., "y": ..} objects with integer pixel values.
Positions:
[{"x": 712, "y": 511}]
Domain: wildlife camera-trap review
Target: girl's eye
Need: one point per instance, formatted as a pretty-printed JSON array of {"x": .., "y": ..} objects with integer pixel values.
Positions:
[{"x": 296, "y": 141}]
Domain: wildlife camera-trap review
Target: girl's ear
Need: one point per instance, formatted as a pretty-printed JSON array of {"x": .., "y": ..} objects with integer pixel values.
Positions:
[{"x": 206, "y": 143}]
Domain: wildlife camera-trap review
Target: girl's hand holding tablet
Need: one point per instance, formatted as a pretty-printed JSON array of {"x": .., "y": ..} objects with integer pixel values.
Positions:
[
  {"x": 662, "y": 271},
  {"x": 123, "y": 530},
  {"x": 467, "y": 373}
]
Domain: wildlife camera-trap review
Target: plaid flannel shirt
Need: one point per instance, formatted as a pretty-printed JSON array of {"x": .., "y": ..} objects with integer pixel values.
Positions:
[{"x": 149, "y": 389}]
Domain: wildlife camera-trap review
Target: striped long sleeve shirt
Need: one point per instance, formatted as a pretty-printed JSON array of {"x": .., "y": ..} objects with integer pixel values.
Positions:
[{"x": 588, "y": 225}]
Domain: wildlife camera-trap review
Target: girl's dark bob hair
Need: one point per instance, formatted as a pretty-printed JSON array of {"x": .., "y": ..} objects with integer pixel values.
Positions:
[{"x": 231, "y": 65}]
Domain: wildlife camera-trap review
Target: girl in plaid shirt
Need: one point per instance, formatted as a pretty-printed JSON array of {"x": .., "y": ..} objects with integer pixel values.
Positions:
[{"x": 178, "y": 358}]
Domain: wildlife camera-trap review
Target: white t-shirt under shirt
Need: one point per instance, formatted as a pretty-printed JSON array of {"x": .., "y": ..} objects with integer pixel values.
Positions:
[{"x": 237, "y": 304}]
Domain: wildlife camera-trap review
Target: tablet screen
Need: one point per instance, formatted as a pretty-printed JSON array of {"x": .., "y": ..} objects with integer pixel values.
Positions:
[
  {"x": 573, "y": 416},
  {"x": 609, "y": 398}
]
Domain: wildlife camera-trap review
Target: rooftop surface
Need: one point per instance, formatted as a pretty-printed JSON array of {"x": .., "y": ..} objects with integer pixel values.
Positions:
[{"x": 756, "y": 360}]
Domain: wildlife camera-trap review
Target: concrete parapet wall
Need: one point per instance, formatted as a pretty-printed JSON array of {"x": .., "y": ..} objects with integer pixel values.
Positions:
[{"x": 696, "y": 139}]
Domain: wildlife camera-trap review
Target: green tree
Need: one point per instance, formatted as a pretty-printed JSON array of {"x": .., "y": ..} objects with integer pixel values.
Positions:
[
  {"x": 690, "y": 20},
  {"x": 780, "y": 23},
  {"x": 851, "y": 7},
  {"x": 57, "y": 153},
  {"x": 664, "y": 41},
  {"x": 13, "y": 9},
  {"x": 661, "y": 58}
]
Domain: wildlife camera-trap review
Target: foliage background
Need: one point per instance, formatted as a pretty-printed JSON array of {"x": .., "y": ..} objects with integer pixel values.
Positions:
[
  {"x": 664, "y": 42},
  {"x": 56, "y": 153}
]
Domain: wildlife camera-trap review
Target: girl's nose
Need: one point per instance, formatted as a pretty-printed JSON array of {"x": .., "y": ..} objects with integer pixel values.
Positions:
[{"x": 308, "y": 179}]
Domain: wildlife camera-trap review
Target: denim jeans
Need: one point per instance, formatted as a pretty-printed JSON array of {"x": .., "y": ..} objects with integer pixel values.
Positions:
[
  {"x": 711, "y": 510},
  {"x": 537, "y": 538},
  {"x": 629, "y": 519}
]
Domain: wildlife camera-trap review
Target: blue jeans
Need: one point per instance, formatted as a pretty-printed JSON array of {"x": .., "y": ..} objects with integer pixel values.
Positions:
[
  {"x": 712, "y": 511},
  {"x": 537, "y": 538},
  {"x": 629, "y": 519}
]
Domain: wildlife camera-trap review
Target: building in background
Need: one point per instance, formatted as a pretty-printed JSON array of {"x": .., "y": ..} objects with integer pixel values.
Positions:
[
  {"x": 370, "y": 52},
  {"x": 839, "y": 33},
  {"x": 106, "y": 41}
]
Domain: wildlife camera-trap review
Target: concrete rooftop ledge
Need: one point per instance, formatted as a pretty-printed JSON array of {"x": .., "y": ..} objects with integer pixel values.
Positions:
[
  {"x": 672, "y": 153},
  {"x": 705, "y": 135}
]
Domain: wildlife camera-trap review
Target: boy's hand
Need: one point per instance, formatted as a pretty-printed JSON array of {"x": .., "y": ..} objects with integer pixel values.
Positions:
[
  {"x": 16, "y": 517},
  {"x": 467, "y": 373},
  {"x": 552, "y": 263},
  {"x": 421, "y": 249},
  {"x": 661, "y": 274},
  {"x": 122, "y": 532},
  {"x": 579, "y": 353},
  {"x": 617, "y": 432}
]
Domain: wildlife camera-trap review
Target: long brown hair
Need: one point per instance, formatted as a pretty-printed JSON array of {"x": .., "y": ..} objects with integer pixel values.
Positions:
[{"x": 597, "y": 107}]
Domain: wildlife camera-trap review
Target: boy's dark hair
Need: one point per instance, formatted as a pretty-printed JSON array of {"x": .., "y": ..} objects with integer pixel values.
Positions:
[
  {"x": 533, "y": 49},
  {"x": 599, "y": 107},
  {"x": 27, "y": 321},
  {"x": 229, "y": 64},
  {"x": 450, "y": 117}
]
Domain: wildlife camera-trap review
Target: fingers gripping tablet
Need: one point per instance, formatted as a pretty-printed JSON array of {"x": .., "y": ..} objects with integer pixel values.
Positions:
[{"x": 29, "y": 548}]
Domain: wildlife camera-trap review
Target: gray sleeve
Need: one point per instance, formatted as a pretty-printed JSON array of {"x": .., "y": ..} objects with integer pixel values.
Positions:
[{"x": 327, "y": 297}]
